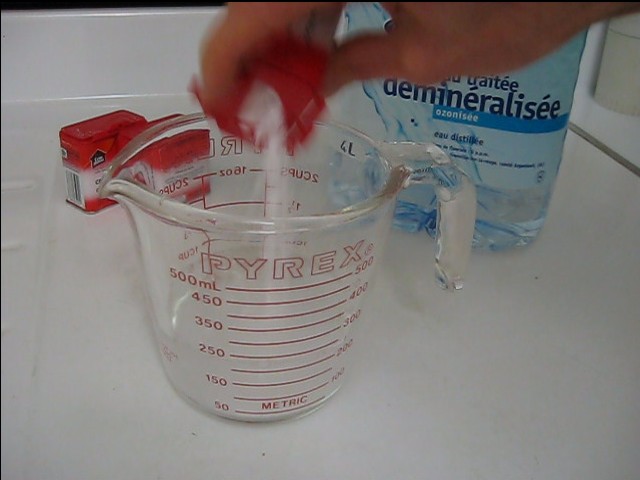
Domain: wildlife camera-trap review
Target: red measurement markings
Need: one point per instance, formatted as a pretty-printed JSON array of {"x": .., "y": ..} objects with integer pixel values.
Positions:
[
  {"x": 284, "y": 329},
  {"x": 273, "y": 412},
  {"x": 268, "y": 187},
  {"x": 266, "y": 203},
  {"x": 197, "y": 200},
  {"x": 288, "y": 289},
  {"x": 285, "y": 342},
  {"x": 280, "y": 370},
  {"x": 269, "y": 399},
  {"x": 281, "y": 384},
  {"x": 289, "y": 302},
  {"x": 284, "y": 355},
  {"x": 204, "y": 176},
  {"x": 233, "y": 204},
  {"x": 288, "y": 315}
]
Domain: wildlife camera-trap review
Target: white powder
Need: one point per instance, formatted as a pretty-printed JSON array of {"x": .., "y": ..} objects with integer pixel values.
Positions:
[{"x": 263, "y": 112}]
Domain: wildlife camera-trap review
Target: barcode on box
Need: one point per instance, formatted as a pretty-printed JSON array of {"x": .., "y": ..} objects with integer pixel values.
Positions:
[{"x": 74, "y": 189}]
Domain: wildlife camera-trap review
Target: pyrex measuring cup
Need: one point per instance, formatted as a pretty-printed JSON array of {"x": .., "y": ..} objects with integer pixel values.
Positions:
[{"x": 256, "y": 272}]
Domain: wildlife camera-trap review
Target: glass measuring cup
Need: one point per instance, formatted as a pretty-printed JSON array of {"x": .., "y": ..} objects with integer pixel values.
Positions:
[{"x": 256, "y": 272}]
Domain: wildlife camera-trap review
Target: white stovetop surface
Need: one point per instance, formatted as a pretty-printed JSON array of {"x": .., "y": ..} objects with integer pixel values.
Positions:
[{"x": 531, "y": 372}]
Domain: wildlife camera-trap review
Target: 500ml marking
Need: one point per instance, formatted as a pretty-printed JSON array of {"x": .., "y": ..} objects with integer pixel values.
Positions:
[{"x": 194, "y": 281}]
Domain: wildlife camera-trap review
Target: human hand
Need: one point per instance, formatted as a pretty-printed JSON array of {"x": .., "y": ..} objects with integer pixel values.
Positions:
[
  {"x": 243, "y": 33},
  {"x": 429, "y": 41}
]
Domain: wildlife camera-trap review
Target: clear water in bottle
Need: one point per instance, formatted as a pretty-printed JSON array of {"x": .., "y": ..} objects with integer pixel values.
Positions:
[{"x": 506, "y": 132}]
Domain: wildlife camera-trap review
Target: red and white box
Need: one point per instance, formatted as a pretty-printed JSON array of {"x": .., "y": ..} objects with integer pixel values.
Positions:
[
  {"x": 87, "y": 149},
  {"x": 168, "y": 166},
  {"x": 175, "y": 166}
]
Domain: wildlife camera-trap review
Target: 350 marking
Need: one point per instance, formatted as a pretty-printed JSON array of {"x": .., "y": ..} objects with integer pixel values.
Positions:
[{"x": 208, "y": 323}]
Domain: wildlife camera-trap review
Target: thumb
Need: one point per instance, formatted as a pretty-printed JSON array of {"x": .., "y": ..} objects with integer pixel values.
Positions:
[{"x": 371, "y": 56}]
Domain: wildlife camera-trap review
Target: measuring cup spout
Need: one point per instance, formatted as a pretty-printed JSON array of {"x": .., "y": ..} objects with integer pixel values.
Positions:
[{"x": 428, "y": 164}]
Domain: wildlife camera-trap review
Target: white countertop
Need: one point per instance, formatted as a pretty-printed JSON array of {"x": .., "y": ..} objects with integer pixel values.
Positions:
[{"x": 532, "y": 371}]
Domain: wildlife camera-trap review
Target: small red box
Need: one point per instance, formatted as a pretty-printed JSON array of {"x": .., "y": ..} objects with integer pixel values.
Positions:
[
  {"x": 128, "y": 133},
  {"x": 175, "y": 166},
  {"x": 87, "y": 148}
]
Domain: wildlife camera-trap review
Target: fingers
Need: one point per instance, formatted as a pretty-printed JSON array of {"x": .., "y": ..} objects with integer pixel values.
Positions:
[
  {"x": 239, "y": 35},
  {"x": 229, "y": 41},
  {"x": 377, "y": 56},
  {"x": 430, "y": 41}
]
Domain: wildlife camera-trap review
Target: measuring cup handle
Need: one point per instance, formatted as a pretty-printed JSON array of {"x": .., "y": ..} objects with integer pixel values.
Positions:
[
  {"x": 454, "y": 229},
  {"x": 456, "y": 195}
]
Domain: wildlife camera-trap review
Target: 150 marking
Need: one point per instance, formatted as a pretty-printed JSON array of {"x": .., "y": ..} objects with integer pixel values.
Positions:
[{"x": 216, "y": 380}]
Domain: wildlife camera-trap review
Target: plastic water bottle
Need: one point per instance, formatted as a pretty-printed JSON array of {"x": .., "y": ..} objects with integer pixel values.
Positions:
[{"x": 506, "y": 132}]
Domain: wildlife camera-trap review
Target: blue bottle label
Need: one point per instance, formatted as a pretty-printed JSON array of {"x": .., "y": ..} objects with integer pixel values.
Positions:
[{"x": 505, "y": 131}]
